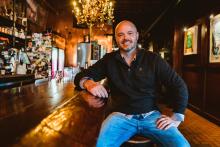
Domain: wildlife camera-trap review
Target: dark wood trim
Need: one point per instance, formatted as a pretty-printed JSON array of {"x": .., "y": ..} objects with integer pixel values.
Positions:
[
  {"x": 194, "y": 107},
  {"x": 213, "y": 65},
  {"x": 192, "y": 66},
  {"x": 204, "y": 114}
]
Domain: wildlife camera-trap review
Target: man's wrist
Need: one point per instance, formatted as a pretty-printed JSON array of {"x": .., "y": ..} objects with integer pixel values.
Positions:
[
  {"x": 82, "y": 82},
  {"x": 177, "y": 117},
  {"x": 86, "y": 83}
]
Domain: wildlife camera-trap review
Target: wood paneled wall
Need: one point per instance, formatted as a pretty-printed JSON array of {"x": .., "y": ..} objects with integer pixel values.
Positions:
[{"x": 202, "y": 77}]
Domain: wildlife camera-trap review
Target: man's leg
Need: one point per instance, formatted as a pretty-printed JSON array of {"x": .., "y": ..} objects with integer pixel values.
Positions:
[
  {"x": 166, "y": 138},
  {"x": 115, "y": 130}
]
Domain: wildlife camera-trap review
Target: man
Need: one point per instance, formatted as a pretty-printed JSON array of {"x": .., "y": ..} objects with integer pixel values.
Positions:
[{"x": 133, "y": 76}]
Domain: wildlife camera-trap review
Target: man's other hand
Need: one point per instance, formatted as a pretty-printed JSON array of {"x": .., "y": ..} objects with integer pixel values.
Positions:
[
  {"x": 95, "y": 88},
  {"x": 165, "y": 122}
]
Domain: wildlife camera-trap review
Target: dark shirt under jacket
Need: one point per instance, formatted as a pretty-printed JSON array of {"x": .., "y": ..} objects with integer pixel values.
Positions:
[{"x": 134, "y": 89}]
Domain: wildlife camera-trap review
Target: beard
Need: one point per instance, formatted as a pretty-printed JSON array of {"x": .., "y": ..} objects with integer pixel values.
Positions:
[{"x": 128, "y": 49}]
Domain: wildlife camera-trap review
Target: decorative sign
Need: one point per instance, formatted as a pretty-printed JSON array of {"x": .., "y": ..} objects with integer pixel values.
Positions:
[
  {"x": 190, "y": 41},
  {"x": 214, "y": 51}
]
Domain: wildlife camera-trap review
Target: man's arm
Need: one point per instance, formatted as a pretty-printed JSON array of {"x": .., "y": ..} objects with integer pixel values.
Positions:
[
  {"x": 87, "y": 79},
  {"x": 173, "y": 81}
]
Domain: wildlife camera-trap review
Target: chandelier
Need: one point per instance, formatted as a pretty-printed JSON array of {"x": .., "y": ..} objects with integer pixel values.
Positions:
[{"x": 91, "y": 12}]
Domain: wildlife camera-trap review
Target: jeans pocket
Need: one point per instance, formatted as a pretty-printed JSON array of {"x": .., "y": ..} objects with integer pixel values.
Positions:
[
  {"x": 154, "y": 116},
  {"x": 122, "y": 115}
]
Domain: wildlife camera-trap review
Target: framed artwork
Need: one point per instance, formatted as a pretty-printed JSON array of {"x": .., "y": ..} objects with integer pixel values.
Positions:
[
  {"x": 214, "y": 50},
  {"x": 190, "y": 40},
  {"x": 96, "y": 51}
]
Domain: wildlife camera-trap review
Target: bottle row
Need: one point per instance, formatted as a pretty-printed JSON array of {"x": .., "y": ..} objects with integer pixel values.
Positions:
[{"x": 9, "y": 31}]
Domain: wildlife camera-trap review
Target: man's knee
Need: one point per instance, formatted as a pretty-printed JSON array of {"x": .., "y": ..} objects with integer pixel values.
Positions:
[
  {"x": 179, "y": 142},
  {"x": 174, "y": 139}
]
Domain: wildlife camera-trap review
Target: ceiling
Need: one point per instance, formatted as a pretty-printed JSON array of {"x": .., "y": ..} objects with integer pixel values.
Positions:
[
  {"x": 149, "y": 14},
  {"x": 142, "y": 12},
  {"x": 146, "y": 14}
]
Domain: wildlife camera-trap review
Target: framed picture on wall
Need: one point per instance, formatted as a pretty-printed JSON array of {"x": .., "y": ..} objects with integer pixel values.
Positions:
[
  {"x": 96, "y": 50},
  {"x": 190, "y": 40},
  {"x": 214, "y": 50}
]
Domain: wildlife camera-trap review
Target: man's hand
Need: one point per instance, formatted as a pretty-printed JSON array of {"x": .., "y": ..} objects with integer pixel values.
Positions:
[
  {"x": 91, "y": 100},
  {"x": 165, "y": 122},
  {"x": 95, "y": 88}
]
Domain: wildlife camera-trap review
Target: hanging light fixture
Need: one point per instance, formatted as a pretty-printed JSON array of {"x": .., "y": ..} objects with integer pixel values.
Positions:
[{"x": 93, "y": 12}]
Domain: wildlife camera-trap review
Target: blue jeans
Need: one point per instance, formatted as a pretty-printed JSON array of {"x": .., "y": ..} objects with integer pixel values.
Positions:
[{"x": 117, "y": 128}]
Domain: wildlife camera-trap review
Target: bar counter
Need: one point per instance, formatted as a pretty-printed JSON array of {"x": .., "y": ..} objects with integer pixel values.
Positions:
[
  {"x": 10, "y": 81},
  {"x": 50, "y": 114}
]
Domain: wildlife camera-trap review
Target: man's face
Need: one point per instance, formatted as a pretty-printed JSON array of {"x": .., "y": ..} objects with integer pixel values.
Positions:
[{"x": 126, "y": 36}]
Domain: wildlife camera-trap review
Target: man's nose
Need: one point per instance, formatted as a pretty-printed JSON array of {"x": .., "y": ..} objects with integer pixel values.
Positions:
[{"x": 126, "y": 36}]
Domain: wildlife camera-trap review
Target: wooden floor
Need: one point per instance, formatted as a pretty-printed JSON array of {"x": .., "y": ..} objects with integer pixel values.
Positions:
[
  {"x": 54, "y": 115},
  {"x": 199, "y": 131}
]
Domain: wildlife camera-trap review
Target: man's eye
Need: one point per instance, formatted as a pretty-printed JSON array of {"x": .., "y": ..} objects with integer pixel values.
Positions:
[{"x": 120, "y": 35}]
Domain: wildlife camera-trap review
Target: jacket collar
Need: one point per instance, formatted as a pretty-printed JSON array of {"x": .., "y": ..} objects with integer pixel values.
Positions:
[{"x": 138, "y": 56}]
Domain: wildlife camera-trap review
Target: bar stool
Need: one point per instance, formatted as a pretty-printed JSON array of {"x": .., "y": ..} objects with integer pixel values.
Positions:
[{"x": 138, "y": 141}]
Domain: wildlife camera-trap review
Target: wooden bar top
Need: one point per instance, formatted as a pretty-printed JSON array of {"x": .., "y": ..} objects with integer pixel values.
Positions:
[{"x": 51, "y": 114}]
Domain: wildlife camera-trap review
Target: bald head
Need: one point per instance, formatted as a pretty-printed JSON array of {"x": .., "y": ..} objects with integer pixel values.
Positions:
[{"x": 125, "y": 23}]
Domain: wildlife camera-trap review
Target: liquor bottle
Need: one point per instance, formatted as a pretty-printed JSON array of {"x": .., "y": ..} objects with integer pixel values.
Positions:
[{"x": 2, "y": 68}]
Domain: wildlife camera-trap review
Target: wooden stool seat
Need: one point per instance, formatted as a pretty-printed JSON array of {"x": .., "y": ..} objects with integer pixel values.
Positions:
[{"x": 138, "y": 141}]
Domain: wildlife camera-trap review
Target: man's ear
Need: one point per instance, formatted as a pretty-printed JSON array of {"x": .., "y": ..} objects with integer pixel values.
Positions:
[{"x": 137, "y": 35}]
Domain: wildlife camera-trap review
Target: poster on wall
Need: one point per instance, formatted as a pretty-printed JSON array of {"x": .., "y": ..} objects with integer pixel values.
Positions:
[
  {"x": 214, "y": 50},
  {"x": 190, "y": 40}
]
